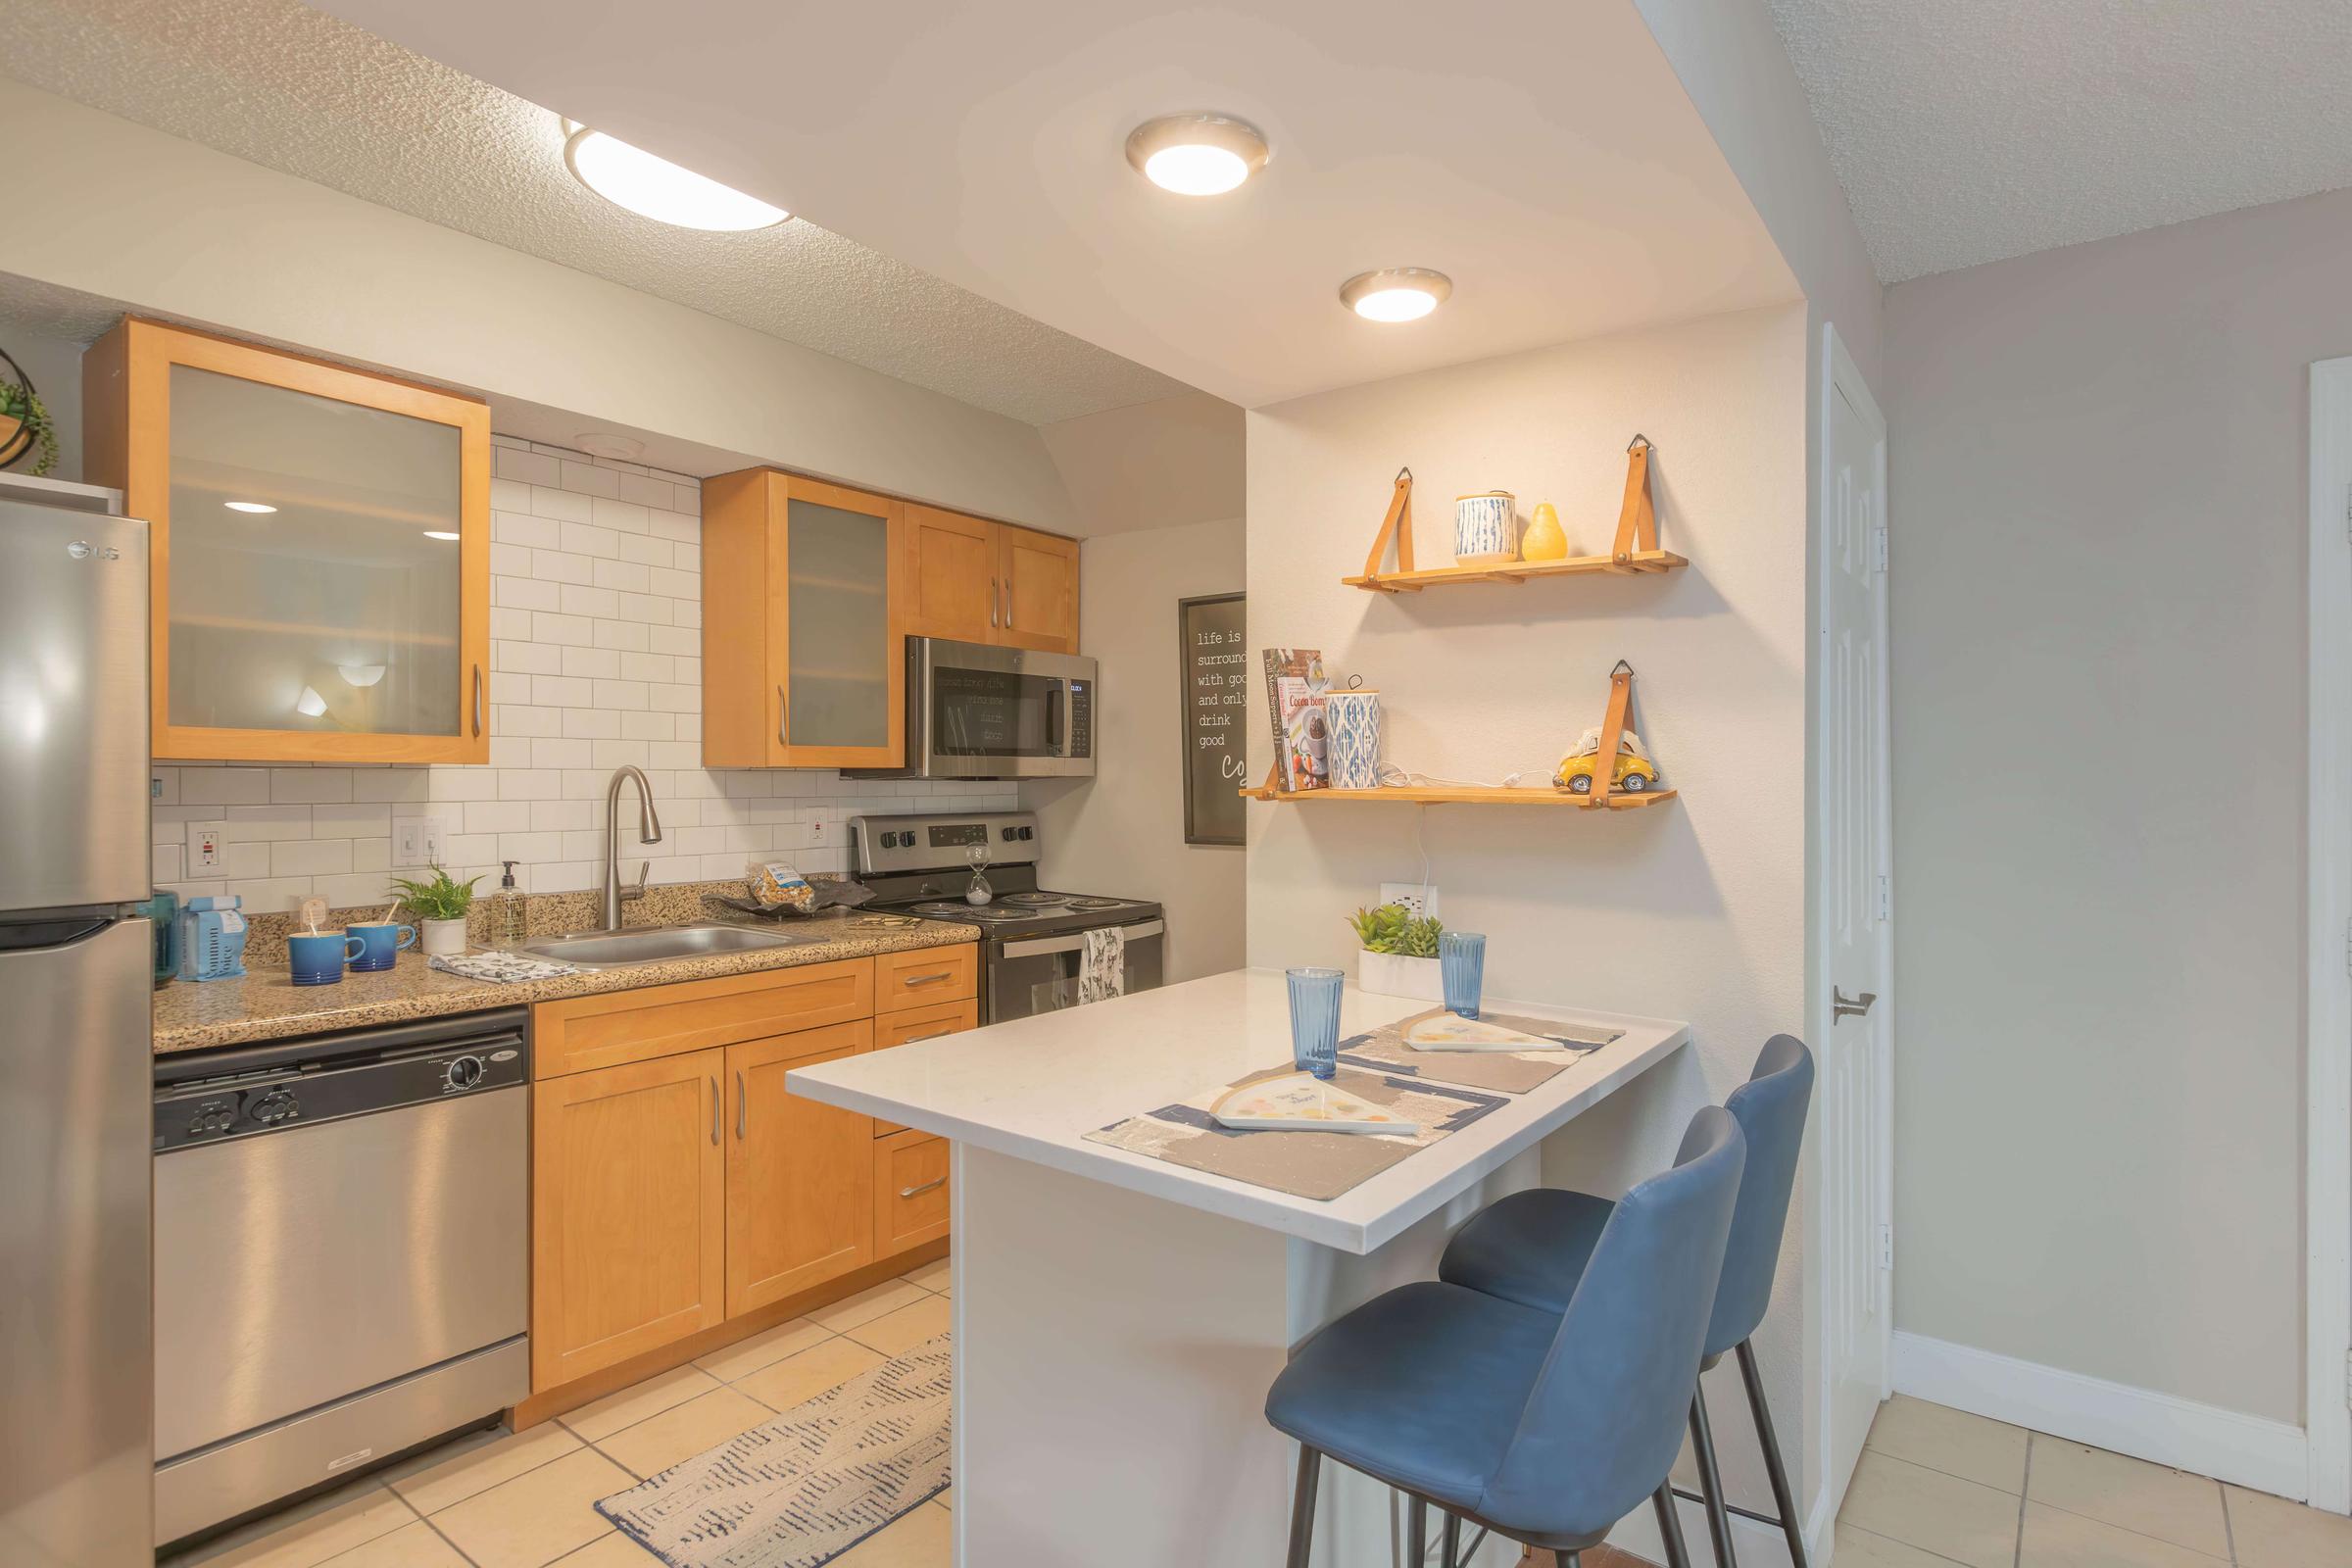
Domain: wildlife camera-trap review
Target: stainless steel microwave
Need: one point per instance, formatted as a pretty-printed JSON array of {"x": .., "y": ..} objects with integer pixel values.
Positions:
[{"x": 974, "y": 710}]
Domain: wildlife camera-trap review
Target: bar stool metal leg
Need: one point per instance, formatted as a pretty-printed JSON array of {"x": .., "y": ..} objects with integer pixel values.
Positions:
[
  {"x": 1670, "y": 1528},
  {"x": 1450, "y": 1540},
  {"x": 1303, "y": 1505},
  {"x": 1782, "y": 1498},
  {"x": 1710, "y": 1481},
  {"x": 1569, "y": 1559},
  {"x": 1416, "y": 1530}
]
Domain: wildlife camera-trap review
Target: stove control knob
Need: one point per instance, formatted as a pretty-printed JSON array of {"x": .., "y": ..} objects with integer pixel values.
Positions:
[
  {"x": 1010, "y": 834},
  {"x": 463, "y": 1072},
  {"x": 1028, "y": 833}
]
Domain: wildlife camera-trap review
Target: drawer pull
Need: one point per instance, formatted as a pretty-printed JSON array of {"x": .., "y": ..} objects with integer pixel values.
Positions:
[
  {"x": 911, "y": 1192},
  {"x": 936, "y": 1034},
  {"x": 932, "y": 979}
]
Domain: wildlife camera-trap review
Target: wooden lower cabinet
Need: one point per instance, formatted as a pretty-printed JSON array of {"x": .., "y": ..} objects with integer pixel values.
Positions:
[
  {"x": 628, "y": 1240},
  {"x": 910, "y": 1191},
  {"x": 676, "y": 1184},
  {"x": 800, "y": 1204}
]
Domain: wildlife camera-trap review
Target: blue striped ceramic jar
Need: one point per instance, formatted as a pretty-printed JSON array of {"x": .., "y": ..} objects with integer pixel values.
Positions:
[{"x": 1484, "y": 529}]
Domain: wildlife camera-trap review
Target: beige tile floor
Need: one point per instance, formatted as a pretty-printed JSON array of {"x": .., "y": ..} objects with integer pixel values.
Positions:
[
  {"x": 527, "y": 1499},
  {"x": 1936, "y": 1487}
]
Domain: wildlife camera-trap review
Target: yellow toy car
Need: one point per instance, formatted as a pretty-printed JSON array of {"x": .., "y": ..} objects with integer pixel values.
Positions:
[{"x": 1635, "y": 773}]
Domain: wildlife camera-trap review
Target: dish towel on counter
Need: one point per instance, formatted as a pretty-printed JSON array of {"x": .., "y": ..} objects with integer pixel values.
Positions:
[
  {"x": 1102, "y": 967},
  {"x": 505, "y": 968}
]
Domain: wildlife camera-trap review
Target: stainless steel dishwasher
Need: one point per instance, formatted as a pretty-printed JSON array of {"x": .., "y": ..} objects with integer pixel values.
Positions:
[{"x": 342, "y": 1257}]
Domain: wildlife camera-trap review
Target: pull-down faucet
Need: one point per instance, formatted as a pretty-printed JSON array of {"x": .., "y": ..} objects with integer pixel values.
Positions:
[{"x": 649, "y": 831}]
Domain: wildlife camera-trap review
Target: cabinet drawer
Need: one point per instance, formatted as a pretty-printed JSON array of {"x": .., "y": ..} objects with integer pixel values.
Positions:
[
  {"x": 581, "y": 1033},
  {"x": 905, "y": 1028},
  {"x": 930, "y": 974},
  {"x": 910, "y": 1191}
]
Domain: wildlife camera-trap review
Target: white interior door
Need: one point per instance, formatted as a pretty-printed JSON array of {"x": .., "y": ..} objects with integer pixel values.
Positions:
[{"x": 1855, "y": 910}]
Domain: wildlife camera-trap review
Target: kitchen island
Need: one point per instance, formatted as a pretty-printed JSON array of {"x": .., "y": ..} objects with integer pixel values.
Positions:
[{"x": 1119, "y": 1318}]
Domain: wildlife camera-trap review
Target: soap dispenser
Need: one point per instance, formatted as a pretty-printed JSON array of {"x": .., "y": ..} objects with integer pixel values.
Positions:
[{"x": 507, "y": 923}]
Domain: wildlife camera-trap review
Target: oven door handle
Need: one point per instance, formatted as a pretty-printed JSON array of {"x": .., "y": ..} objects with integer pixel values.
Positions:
[{"x": 1073, "y": 943}]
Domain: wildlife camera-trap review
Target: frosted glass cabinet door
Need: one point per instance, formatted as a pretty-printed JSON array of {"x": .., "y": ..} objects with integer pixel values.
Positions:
[
  {"x": 844, "y": 640},
  {"x": 321, "y": 592}
]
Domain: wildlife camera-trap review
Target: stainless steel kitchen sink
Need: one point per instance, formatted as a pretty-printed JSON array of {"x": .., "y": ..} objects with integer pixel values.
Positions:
[{"x": 657, "y": 945}]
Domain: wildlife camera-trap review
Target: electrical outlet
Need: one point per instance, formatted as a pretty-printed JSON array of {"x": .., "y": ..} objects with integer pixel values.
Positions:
[
  {"x": 824, "y": 835},
  {"x": 205, "y": 841},
  {"x": 1417, "y": 900},
  {"x": 418, "y": 840}
]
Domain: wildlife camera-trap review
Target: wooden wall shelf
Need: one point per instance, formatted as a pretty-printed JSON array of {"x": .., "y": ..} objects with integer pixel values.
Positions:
[
  {"x": 1616, "y": 800},
  {"x": 1413, "y": 582}
]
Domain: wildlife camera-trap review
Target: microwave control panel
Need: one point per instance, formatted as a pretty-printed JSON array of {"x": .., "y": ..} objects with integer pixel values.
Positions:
[{"x": 1082, "y": 719}]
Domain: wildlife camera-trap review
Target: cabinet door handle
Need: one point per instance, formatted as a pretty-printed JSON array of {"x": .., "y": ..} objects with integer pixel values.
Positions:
[
  {"x": 926, "y": 979},
  {"x": 936, "y": 1034},
  {"x": 1008, "y": 604},
  {"x": 742, "y": 1101},
  {"x": 783, "y": 708},
  {"x": 714, "y": 1111},
  {"x": 912, "y": 1191},
  {"x": 477, "y": 702},
  {"x": 992, "y": 602}
]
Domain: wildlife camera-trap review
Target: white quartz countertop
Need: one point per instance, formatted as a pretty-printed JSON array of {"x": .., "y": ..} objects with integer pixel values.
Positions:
[{"x": 1035, "y": 1087}]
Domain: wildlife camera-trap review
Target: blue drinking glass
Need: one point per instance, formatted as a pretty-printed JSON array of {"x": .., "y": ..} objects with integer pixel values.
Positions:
[
  {"x": 1315, "y": 1020},
  {"x": 1462, "y": 965}
]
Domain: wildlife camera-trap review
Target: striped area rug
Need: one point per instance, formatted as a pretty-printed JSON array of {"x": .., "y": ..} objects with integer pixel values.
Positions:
[{"x": 807, "y": 1486}]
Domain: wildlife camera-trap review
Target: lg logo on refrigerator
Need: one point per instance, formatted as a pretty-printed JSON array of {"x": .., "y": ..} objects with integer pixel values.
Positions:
[{"x": 83, "y": 550}]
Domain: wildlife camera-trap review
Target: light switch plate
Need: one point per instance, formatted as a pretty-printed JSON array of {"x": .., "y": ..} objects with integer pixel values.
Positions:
[
  {"x": 1417, "y": 900},
  {"x": 418, "y": 840},
  {"x": 206, "y": 845}
]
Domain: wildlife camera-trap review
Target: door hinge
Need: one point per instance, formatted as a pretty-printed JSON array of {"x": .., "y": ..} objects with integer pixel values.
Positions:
[
  {"x": 1886, "y": 903},
  {"x": 1886, "y": 1246},
  {"x": 2348, "y": 1378},
  {"x": 1878, "y": 549}
]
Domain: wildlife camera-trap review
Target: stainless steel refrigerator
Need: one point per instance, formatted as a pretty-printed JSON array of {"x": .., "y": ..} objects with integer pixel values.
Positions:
[{"x": 77, "y": 1380}]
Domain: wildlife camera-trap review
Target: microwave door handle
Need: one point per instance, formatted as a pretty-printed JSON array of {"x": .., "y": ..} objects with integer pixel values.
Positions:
[{"x": 1057, "y": 720}]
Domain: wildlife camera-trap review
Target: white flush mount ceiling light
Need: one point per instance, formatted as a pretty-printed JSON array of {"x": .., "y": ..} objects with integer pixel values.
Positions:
[
  {"x": 248, "y": 506},
  {"x": 361, "y": 675},
  {"x": 605, "y": 444},
  {"x": 656, "y": 189},
  {"x": 1396, "y": 293},
  {"x": 1196, "y": 155}
]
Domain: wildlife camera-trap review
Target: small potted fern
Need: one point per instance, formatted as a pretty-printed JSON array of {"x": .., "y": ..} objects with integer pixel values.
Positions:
[
  {"x": 439, "y": 904},
  {"x": 1398, "y": 954}
]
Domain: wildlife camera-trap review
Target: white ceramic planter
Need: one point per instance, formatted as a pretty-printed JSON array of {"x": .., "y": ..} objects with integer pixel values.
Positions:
[
  {"x": 446, "y": 939},
  {"x": 1387, "y": 974}
]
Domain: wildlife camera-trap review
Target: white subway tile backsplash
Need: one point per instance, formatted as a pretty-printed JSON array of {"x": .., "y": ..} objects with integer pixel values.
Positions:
[{"x": 595, "y": 662}]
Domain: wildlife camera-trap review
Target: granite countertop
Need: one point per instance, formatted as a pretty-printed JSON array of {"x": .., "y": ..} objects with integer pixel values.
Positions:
[{"x": 267, "y": 1005}]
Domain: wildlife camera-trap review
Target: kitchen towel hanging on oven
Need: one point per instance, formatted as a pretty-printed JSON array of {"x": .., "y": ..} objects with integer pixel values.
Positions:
[{"x": 1102, "y": 972}]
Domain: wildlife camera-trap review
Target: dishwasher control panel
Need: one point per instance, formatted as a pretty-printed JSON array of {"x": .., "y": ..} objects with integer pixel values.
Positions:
[{"x": 281, "y": 1088}]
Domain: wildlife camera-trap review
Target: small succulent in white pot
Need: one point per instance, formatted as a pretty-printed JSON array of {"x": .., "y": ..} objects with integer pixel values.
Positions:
[
  {"x": 439, "y": 905},
  {"x": 1398, "y": 953}
]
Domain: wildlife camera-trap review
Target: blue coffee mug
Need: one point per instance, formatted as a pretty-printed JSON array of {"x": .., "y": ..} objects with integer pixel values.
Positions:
[
  {"x": 380, "y": 944},
  {"x": 317, "y": 958}
]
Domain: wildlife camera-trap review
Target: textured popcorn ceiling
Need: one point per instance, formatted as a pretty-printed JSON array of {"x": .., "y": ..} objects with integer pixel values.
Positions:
[
  {"x": 291, "y": 88},
  {"x": 1968, "y": 130}
]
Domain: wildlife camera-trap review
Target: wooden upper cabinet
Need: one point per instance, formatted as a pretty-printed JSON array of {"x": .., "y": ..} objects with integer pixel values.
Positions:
[
  {"x": 991, "y": 582},
  {"x": 1040, "y": 572},
  {"x": 803, "y": 623},
  {"x": 629, "y": 1229},
  {"x": 320, "y": 548},
  {"x": 800, "y": 1174},
  {"x": 951, "y": 576}
]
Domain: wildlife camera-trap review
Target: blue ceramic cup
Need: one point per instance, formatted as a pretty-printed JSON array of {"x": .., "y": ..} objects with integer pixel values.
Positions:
[
  {"x": 380, "y": 944},
  {"x": 1462, "y": 968},
  {"x": 317, "y": 958},
  {"x": 1315, "y": 1020}
]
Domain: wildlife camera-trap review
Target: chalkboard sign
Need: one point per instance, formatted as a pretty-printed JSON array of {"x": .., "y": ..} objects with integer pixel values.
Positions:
[{"x": 1211, "y": 655}]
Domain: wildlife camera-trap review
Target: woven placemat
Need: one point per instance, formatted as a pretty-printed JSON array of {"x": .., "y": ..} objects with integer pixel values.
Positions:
[
  {"x": 1510, "y": 1072},
  {"x": 1304, "y": 1165}
]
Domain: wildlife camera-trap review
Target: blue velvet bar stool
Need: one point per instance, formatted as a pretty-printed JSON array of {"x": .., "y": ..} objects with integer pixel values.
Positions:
[
  {"x": 1546, "y": 1426},
  {"x": 1533, "y": 1247}
]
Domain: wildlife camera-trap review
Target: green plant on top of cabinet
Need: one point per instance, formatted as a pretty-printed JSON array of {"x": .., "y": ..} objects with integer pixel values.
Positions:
[
  {"x": 319, "y": 543},
  {"x": 804, "y": 624},
  {"x": 990, "y": 582}
]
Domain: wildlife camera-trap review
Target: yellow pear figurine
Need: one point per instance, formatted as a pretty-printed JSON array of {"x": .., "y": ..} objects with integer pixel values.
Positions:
[{"x": 1544, "y": 541}]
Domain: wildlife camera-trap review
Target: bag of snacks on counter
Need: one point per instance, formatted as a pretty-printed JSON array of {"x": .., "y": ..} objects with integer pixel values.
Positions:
[{"x": 777, "y": 886}]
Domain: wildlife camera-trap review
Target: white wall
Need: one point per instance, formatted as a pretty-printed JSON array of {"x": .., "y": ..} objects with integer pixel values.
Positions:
[
  {"x": 1122, "y": 831},
  {"x": 115, "y": 210},
  {"x": 1693, "y": 909},
  {"x": 2099, "y": 523},
  {"x": 596, "y": 661}
]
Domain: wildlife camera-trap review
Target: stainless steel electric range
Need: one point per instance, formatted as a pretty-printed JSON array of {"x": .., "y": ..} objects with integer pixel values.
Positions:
[{"x": 1033, "y": 939}]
